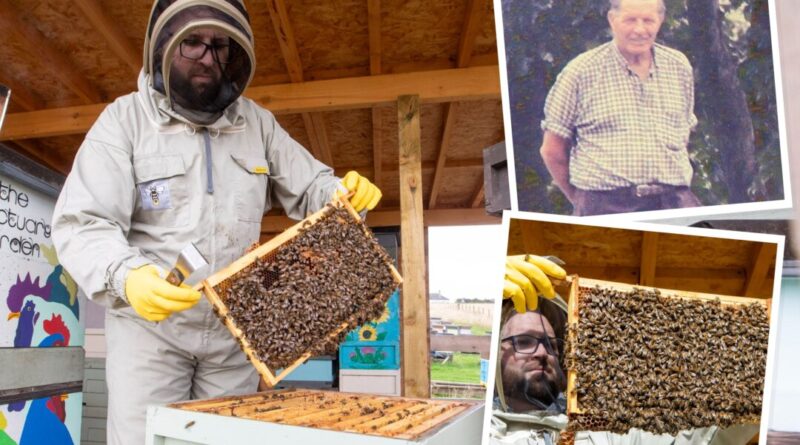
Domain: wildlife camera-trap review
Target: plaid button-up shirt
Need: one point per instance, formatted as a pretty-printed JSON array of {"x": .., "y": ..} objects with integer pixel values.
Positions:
[{"x": 625, "y": 130}]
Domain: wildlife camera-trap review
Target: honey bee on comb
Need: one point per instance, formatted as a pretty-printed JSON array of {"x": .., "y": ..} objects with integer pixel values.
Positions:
[
  {"x": 287, "y": 303},
  {"x": 664, "y": 364}
]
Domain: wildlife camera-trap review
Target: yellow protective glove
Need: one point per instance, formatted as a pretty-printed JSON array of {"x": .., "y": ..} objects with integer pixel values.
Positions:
[
  {"x": 527, "y": 277},
  {"x": 153, "y": 298},
  {"x": 366, "y": 194}
]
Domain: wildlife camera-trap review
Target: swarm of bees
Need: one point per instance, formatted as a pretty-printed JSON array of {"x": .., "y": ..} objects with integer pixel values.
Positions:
[
  {"x": 663, "y": 364},
  {"x": 290, "y": 301}
]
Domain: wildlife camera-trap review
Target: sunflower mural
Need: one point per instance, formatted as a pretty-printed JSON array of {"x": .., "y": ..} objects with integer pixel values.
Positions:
[
  {"x": 367, "y": 333},
  {"x": 376, "y": 344}
]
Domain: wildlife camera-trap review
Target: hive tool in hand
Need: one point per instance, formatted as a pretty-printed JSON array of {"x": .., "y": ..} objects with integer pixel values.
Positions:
[{"x": 189, "y": 260}]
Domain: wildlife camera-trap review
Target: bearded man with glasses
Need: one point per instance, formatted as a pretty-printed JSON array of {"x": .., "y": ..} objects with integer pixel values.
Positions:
[{"x": 185, "y": 159}]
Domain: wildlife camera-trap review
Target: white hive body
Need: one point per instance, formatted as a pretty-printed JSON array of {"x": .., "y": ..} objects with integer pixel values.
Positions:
[{"x": 312, "y": 416}]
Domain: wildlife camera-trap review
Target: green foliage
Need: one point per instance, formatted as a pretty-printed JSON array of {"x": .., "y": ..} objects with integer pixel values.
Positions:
[{"x": 541, "y": 36}]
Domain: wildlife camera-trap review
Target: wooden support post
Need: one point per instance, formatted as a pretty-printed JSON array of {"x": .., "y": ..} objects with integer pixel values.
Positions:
[
  {"x": 647, "y": 268},
  {"x": 415, "y": 364},
  {"x": 763, "y": 254}
]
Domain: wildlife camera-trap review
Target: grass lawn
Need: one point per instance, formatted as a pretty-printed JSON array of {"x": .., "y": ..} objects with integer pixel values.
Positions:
[
  {"x": 480, "y": 330},
  {"x": 462, "y": 368}
]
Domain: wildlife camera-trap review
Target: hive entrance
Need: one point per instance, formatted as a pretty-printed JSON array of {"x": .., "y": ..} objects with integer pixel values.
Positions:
[
  {"x": 299, "y": 294},
  {"x": 662, "y": 362}
]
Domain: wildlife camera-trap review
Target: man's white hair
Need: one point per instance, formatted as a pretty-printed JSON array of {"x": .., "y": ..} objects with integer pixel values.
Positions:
[{"x": 616, "y": 4}]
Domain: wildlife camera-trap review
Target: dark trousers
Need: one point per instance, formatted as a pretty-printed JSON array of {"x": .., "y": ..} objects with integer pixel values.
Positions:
[{"x": 625, "y": 200}]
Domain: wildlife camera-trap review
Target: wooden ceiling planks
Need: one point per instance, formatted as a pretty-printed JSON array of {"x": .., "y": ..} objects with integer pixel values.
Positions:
[
  {"x": 350, "y": 137},
  {"x": 693, "y": 263},
  {"x": 477, "y": 129},
  {"x": 474, "y": 15},
  {"x": 460, "y": 185},
  {"x": 46, "y": 29},
  {"x": 331, "y": 35},
  {"x": 421, "y": 30},
  {"x": 116, "y": 39},
  {"x": 333, "y": 40},
  {"x": 707, "y": 252}
]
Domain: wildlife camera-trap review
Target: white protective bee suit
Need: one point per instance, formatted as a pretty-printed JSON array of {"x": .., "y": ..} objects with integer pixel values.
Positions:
[{"x": 147, "y": 181}]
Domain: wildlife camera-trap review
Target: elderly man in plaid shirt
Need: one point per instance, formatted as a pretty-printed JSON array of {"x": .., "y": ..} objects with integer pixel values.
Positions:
[{"x": 618, "y": 118}]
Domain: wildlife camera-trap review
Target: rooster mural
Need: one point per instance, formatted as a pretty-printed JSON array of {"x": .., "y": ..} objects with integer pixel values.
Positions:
[
  {"x": 47, "y": 315},
  {"x": 44, "y": 423}
]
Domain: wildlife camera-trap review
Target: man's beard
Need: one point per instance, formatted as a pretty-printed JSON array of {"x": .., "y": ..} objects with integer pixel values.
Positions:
[
  {"x": 540, "y": 389},
  {"x": 201, "y": 97}
]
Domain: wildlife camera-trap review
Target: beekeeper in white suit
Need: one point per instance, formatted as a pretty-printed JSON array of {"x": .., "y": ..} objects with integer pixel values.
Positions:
[
  {"x": 184, "y": 159},
  {"x": 529, "y": 403}
]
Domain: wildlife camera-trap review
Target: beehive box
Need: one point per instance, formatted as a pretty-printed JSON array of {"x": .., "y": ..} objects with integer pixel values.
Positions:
[
  {"x": 663, "y": 360},
  {"x": 313, "y": 416},
  {"x": 299, "y": 293}
]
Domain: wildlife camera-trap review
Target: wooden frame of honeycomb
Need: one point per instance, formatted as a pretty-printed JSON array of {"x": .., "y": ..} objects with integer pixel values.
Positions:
[
  {"x": 578, "y": 285},
  {"x": 264, "y": 250}
]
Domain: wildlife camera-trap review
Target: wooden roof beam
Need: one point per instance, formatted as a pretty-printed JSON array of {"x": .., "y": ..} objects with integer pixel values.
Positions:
[
  {"x": 450, "y": 111},
  {"x": 286, "y": 40},
  {"x": 314, "y": 122},
  {"x": 364, "y": 70},
  {"x": 465, "y": 84},
  {"x": 317, "y": 133},
  {"x": 112, "y": 33},
  {"x": 478, "y": 197},
  {"x": 374, "y": 28},
  {"x": 389, "y": 167},
  {"x": 476, "y": 12},
  {"x": 15, "y": 27},
  {"x": 649, "y": 255},
  {"x": 763, "y": 255}
]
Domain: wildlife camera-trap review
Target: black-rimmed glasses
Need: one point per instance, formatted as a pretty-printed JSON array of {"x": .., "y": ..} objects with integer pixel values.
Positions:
[
  {"x": 195, "y": 49},
  {"x": 527, "y": 344}
]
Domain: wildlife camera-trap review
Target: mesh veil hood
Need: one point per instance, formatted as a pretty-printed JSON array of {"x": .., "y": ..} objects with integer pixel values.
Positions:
[{"x": 171, "y": 21}]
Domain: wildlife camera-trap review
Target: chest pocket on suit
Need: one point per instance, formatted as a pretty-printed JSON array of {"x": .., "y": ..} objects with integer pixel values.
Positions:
[
  {"x": 251, "y": 187},
  {"x": 162, "y": 192}
]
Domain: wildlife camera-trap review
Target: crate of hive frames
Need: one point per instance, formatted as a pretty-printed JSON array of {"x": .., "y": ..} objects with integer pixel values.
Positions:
[
  {"x": 316, "y": 416},
  {"x": 298, "y": 294},
  {"x": 662, "y": 360}
]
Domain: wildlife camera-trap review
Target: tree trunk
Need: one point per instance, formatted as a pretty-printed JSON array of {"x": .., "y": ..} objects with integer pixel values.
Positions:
[{"x": 727, "y": 106}]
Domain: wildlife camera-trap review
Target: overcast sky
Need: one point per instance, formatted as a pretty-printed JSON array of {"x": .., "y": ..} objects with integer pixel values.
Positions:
[{"x": 466, "y": 261}]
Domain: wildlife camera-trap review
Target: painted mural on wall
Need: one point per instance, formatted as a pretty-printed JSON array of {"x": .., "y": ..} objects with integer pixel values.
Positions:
[
  {"x": 39, "y": 307},
  {"x": 376, "y": 344}
]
